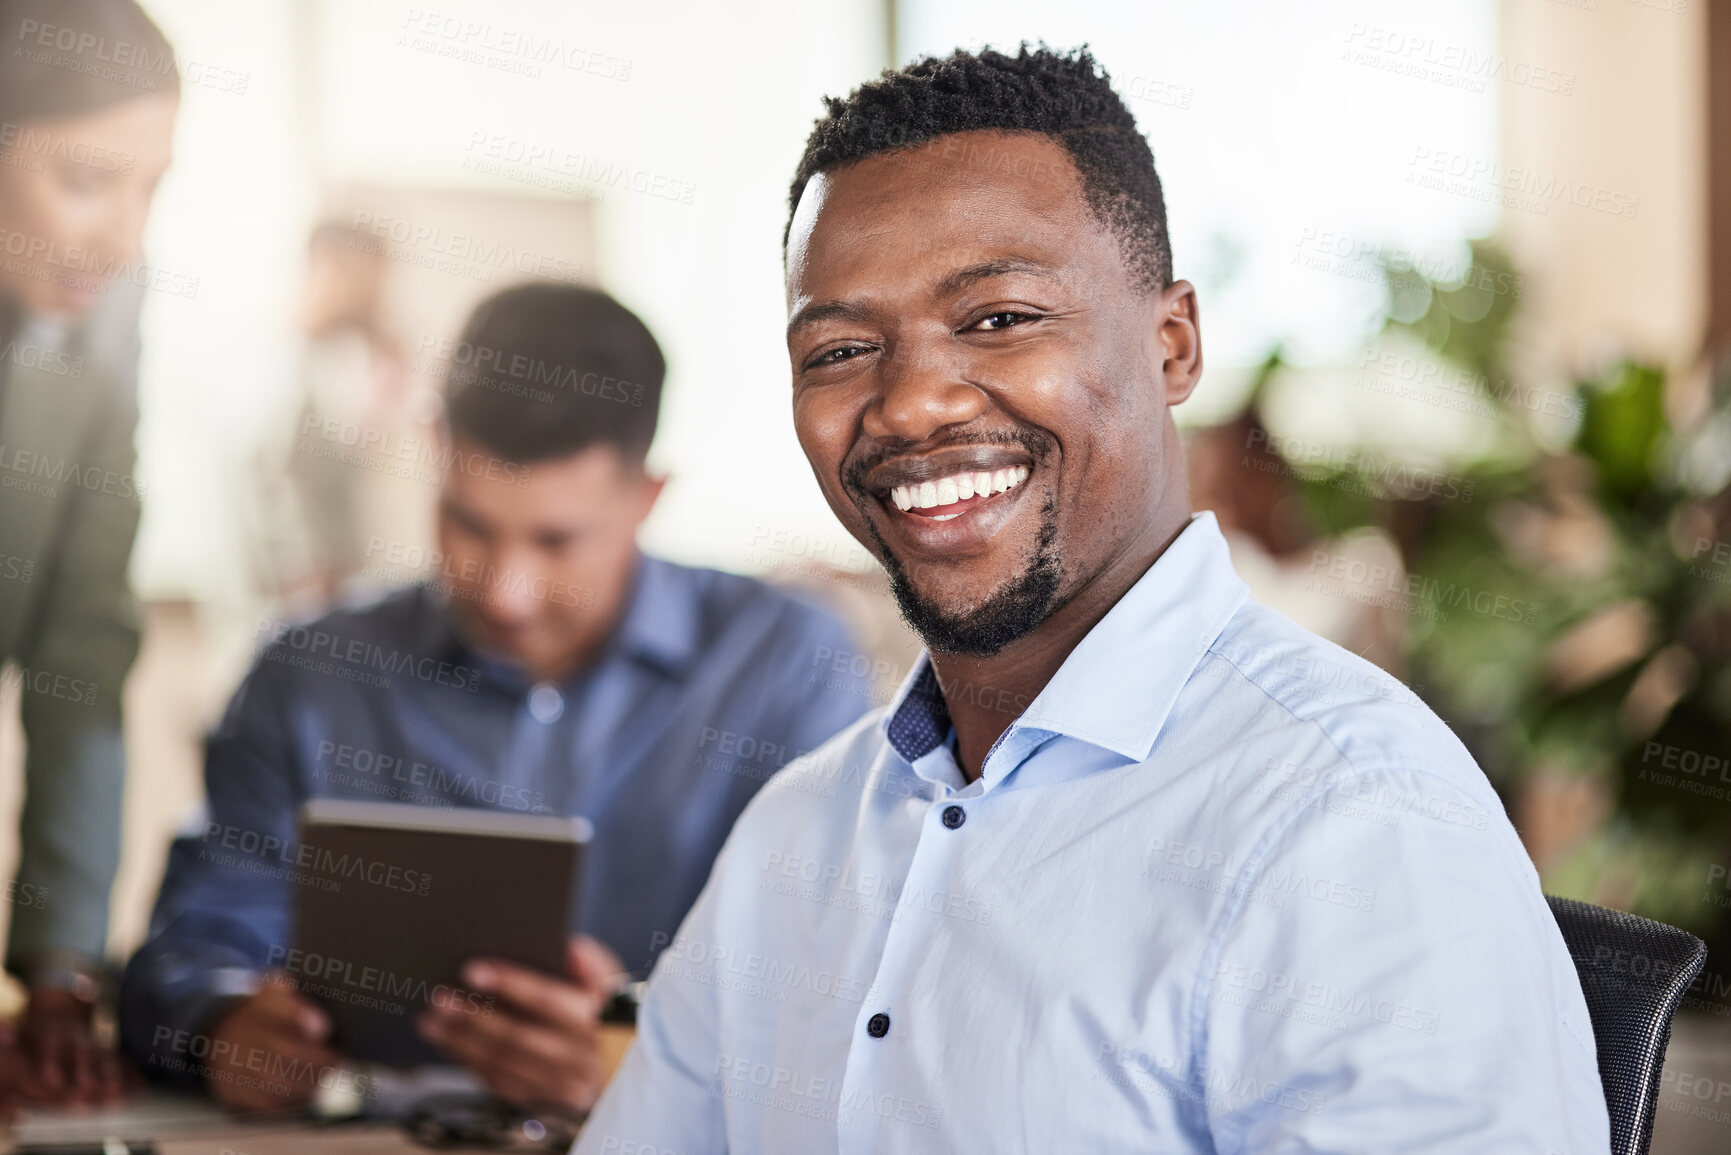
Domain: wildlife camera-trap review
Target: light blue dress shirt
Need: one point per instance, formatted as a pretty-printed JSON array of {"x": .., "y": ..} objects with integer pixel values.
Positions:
[{"x": 1222, "y": 887}]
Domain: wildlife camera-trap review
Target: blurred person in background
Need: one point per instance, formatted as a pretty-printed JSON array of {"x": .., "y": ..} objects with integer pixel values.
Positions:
[
  {"x": 559, "y": 671},
  {"x": 1236, "y": 471},
  {"x": 323, "y": 500},
  {"x": 88, "y": 95}
]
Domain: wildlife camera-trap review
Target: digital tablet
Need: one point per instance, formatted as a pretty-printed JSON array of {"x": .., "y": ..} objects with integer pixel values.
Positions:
[{"x": 392, "y": 899}]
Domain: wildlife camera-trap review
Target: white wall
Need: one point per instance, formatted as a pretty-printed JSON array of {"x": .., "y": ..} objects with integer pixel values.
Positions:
[{"x": 1277, "y": 137}]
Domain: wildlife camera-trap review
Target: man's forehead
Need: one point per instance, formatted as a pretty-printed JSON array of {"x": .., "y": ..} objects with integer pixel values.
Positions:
[{"x": 952, "y": 202}]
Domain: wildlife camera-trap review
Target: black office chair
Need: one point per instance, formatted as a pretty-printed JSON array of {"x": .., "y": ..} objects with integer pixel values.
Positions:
[{"x": 1633, "y": 971}]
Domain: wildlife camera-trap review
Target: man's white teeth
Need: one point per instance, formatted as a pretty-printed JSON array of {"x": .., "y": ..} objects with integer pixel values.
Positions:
[{"x": 960, "y": 487}]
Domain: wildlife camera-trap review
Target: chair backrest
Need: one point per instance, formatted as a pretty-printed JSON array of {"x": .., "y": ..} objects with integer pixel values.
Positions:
[{"x": 1633, "y": 971}]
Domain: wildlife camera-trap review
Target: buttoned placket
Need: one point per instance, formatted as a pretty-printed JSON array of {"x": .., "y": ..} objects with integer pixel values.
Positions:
[{"x": 947, "y": 829}]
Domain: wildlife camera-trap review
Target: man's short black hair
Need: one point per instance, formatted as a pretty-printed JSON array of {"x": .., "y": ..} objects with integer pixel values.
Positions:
[
  {"x": 543, "y": 371},
  {"x": 1065, "y": 96}
]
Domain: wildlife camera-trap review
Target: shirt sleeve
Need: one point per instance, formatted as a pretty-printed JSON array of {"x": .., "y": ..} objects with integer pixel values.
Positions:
[
  {"x": 77, "y": 653},
  {"x": 1392, "y": 980},
  {"x": 662, "y": 1098},
  {"x": 223, "y": 914}
]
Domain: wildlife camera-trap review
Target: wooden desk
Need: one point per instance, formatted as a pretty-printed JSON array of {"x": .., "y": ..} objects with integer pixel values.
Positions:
[{"x": 195, "y": 1128}]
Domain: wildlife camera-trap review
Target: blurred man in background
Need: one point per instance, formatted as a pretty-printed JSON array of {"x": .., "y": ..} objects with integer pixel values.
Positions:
[
  {"x": 550, "y": 667},
  {"x": 83, "y": 144}
]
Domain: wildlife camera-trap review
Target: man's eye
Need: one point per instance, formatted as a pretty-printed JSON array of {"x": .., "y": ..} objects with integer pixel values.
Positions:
[
  {"x": 833, "y": 356},
  {"x": 1004, "y": 321}
]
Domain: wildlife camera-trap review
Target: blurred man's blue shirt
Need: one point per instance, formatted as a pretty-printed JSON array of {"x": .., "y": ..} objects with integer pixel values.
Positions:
[
  {"x": 710, "y": 683},
  {"x": 1223, "y": 887}
]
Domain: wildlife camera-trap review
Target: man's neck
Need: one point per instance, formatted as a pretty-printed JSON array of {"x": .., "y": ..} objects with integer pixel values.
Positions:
[{"x": 985, "y": 695}]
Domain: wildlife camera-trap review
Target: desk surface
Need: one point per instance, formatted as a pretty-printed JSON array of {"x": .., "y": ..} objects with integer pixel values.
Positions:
[
  {"x": 180, "y": 1124},
  {"x": 231, "y": 1136}
]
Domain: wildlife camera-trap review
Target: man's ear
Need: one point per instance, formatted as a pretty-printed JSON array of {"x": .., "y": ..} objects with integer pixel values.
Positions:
[
  {"x": 649, "y": 492},
  {"x": 1180, "y": 325}
]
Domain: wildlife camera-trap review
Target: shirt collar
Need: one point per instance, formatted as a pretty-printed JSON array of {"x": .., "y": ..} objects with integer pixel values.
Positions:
[
  {"x": 662, "y": 624},
  {"x": 1119, "y": 683}
]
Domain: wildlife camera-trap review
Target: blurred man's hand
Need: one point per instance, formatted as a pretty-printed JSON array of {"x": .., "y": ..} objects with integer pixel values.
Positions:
[
  {"x": 63, "y": 1060},
  {"x": 531, "y": 1037},
  {"x": 15, "y": 1082},
  {"x": 268, "y": 1053}
]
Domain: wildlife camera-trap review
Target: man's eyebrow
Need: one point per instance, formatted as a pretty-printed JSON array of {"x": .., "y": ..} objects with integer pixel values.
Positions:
[
  {"x": 827, "y": 311},
  {"x": 952, "y": 284},
  {"x": 996, "y": 267}
]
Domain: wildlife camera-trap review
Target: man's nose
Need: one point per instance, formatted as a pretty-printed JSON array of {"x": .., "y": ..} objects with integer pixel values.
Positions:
[
  {"x": 511, "y": 592},
  {"x": 923, "y": 388}
]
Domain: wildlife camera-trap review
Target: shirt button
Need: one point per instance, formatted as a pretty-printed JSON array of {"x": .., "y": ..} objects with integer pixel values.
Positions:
[
  {"x": 546, "y": 703},
  {"x": 878, "y": 1025},
  {"x": 954, "y": 816}
]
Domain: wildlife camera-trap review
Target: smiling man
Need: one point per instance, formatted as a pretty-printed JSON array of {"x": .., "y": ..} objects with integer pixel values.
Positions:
[{"x": 1131, "y": 863}]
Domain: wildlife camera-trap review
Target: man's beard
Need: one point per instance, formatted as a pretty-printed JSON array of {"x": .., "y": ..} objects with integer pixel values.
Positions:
[{"x": 1012, "y": 612}]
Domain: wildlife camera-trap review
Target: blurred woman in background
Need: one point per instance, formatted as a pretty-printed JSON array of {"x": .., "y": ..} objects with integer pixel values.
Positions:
[{"x": 88, "y": 95}]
